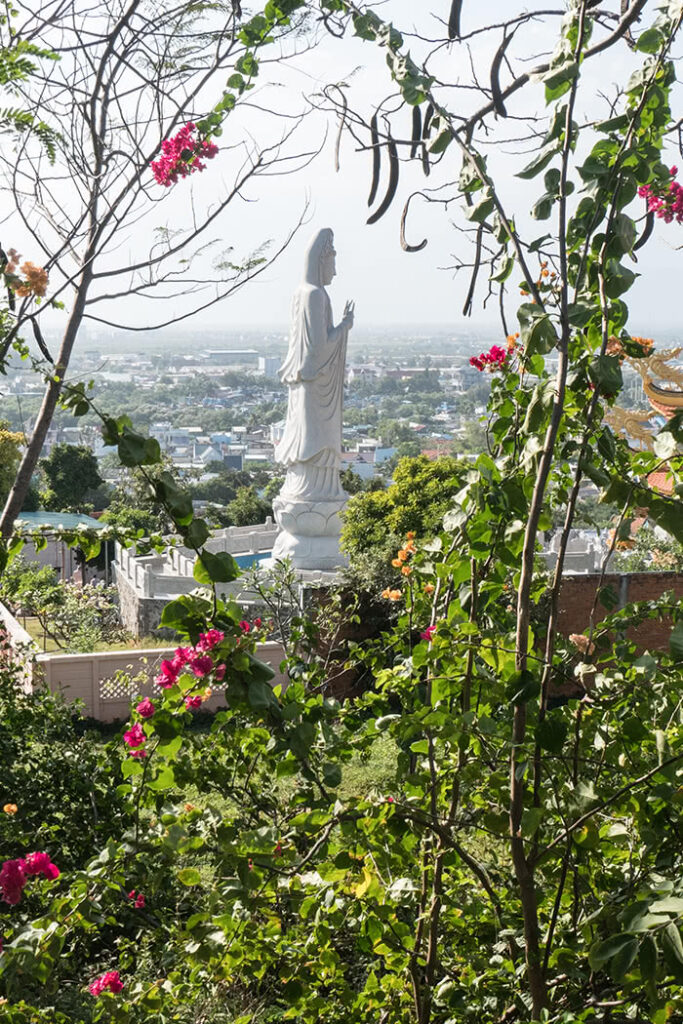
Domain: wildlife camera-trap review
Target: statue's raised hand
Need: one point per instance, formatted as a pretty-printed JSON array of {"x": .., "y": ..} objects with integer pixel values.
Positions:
[{"x": 347, "y": 319}]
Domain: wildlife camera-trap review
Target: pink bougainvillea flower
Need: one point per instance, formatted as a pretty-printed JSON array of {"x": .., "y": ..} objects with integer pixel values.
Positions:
[
  {"x": 257, "y": 623},
  {"x": 193, "y": 702},
  {"x": 244, "y": 626},
  {"x": 13, "y": 880},
  {"x": 494, "y": 359},
  {"x": 168, "y": 675},
  {"x": 665, "y": 200},
  {"x": 182, "y": 155},
  {"x": 428, "y": 633},
  {"x": 201, "y": 665},
  {"x": 390, "y": 799},
  {"x": 219, "y": 673},
  {"x": 110, "y": 981},
  {"x": 145, "y": 708},
  {"x": 137, "y": 899},
  {"x": 135, "y": 736},
  {"x": 210, "y": 639},
  {"x": 182, "y": 656},
  {"x": 14, "y": 874},
  {"x": 139, "y": 753},
  {"x": 40, "y": 864}
]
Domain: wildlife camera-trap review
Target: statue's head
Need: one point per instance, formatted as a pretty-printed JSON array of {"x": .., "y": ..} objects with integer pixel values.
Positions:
[{"x": 320, "y": 259}]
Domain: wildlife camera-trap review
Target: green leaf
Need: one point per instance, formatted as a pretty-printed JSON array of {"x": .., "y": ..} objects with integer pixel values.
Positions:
[
  {"x": 606, "y": 372},
  {"x": 608, "y": 948},
  {"x": 618, "y": 279},
  {"x": 505, "y": 271},
  {"x": 301, "y": 740},
  {"x": 164, "y": 780},
  {"x": 522, "y": 687},
  {"x": 551, "y": 734},
  {"x": 647, "y": 959},
  {"x": 441, "y": 142},
  {"x": 672, "y": 947},
  {"x": 622, "y": 960},
  {"x": 177, "y": 501},
  {"x": 625, "y": 232},
  {"x": 676, "y": 641},
  {"x": 649, "y": 41},
  {"x": 540, "y": 161},
  {"x": 189, "y": 876},
  {"x": 218, "y": 568},
  {"x": 537, "y": 330},
  {"x": 559, "y": 80},
  {"x": 133, "y": 448},
  {"x": 260, "y": 695},
  {"x": 197, "y": 533},
  {"x": 531, "y": 819},
  {"x": 481, "y": 210}
]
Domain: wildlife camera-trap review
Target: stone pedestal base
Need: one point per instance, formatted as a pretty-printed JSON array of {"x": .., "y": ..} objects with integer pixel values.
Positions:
[{"x": 310, "y": 532}]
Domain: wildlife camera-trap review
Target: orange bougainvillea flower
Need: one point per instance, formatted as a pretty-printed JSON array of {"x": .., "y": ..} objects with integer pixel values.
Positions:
[
  {"x": 429, "y": 588},
  {"x": 396, "y": 562},
  {"x": 10, "y": 808},
  {"x": 391, "y": 595},
  {"x": 409, "y": 546},
  {"x": 35, "y": 280},
  {"x": 406, "y": 570},
  {"x": 402, "y": 555},
  {"x": 410, "y": 535}
]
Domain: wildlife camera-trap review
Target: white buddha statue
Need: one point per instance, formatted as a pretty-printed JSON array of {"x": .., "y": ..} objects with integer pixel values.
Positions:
[{"x": 310, "y": 449}]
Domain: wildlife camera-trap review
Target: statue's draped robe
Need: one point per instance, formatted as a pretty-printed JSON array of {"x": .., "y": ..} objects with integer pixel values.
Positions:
[{"x": 314, "y": 373}]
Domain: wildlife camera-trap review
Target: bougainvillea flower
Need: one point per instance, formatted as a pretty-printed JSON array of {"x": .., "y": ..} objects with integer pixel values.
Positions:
[
  {"x": 135, "y": 736},
  {"x": 110, "y": 981}
]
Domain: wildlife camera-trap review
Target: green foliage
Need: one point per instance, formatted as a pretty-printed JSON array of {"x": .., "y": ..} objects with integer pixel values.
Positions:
[
  {"x": 518, "y": 856},
  {"x": 71, "y": 474},
  {"x": 421, "y": 493}
]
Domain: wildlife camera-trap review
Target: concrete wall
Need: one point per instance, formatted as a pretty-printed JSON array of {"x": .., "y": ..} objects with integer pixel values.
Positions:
[{"x": 93, "y": 678}]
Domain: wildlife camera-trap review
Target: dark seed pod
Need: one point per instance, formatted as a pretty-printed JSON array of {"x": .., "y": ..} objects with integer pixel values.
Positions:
[
  {"x": 647, "y": 231},
  {"x": 454, "y": 20},
  {"x": 496, "y": 94},
  {"x": 427, "y": 126},
  {"x": 404, "y": 244},
  {"x": 417, "y": 131},
  {"x": 374, "y": 136},
  {"x": 467, "y": 308},
  {"x": 425, "y": 160},
  {"x": 391, "y": 187}
]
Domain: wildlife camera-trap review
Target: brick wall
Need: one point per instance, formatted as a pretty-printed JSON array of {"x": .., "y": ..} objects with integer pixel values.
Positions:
[{"x": 578, "y": 593}]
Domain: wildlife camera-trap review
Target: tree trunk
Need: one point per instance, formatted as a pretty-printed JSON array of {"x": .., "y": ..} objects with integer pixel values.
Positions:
[{"x": 28, "y": 464}]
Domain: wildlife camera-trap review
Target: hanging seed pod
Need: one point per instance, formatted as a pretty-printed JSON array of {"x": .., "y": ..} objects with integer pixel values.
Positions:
[
  {"x": 417, "y": 131},
  {"x": 454, "y": 20},
  {"x": 374, "y": 136},
  {"x": 427, "y": 126},
  {"x": 391, "y": 187},
  {"x": 426, "y": 129},
  {"x": 404, "y": 244},
  {"x": 647, "y": 231},
  {"x": 467, "y": 308},
  {"x": 496, "y": 93},
  {"x": 342, "y": 124}
]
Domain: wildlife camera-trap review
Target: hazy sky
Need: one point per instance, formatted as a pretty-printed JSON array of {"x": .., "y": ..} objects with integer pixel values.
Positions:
[
  {"x": 391, "y": 286},
  {"x": 388, "y": 285}
]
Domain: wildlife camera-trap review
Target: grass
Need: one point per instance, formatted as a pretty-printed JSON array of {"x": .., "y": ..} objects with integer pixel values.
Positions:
[{"x": 132, "y": 643}]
